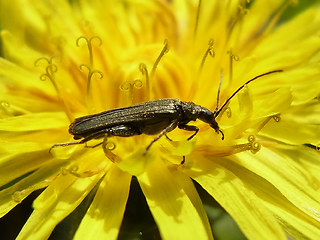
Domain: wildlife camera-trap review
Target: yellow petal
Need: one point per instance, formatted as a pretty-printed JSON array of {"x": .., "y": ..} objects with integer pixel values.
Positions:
[
  {"x": 295, "y": 222},
  {"x": 172, "y": 209},
  {"x": 306, "y": 22},
  {"x": 289, "y": 177},
  {"x": 24, "y": 57},
  {"x": 104, "y": 216},
  {"x": 34, "y": 121},
  {"x": 13, "y": 166},
  {"x": 185, "y": 182},
  {"x": 240, "y": 202},
  {"x": 298, "y": 125},
  {"x": 11, "y": 147},
  {"x": 311, "y": 161},
  {"x": 259, "y": 15},
  {"x": 14, "y": 192},
  {"x": 55, "y": 203},
  {"x": 61, "y": 197},
  {"x": 273, "y": 104},
  {"x": 290, "y": 132}
]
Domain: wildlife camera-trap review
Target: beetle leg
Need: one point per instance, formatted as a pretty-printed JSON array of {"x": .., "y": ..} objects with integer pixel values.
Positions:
[
  {"x": 189, "y": 128},
  {"x": 64, "y": 144},
  {"x": 96, "y": 145},
  {"x": 163, "y": 132},
  {"x": 72, "y": 143},
  {"x": 183, "y": 160},
  {"x": 84, "y": 140},
  {"x": 168, "y": 137}
]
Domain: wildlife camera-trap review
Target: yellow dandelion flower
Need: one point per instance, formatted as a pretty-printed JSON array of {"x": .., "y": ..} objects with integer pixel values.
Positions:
[{"x": 66, "y": 59}]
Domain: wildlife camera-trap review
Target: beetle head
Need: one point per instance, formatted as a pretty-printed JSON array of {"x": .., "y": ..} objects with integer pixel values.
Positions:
[
  {"x": 192, "y": 111},
  {"x": 207, "y": 116}
]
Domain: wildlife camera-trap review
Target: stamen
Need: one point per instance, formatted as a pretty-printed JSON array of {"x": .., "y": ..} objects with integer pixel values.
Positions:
[
  {"x": 209, "y": 52},
  {"x": 232, "y": 58},
  {"x": 10, "y": 110},
  {"x": 129, "y": 86},
  {"x": 88, "y": 42},
  {"x": 240, "y": 148},
  {"x": 156, "y": 63},
  {"x": 143, "y": 69},
  {"x": 91, "y": 70},
  {"x": 229, "y": 112},
  {"x": 59, "y": 42},
  {"x": 226, "y": 110},
  {"x": 251, "y": 138},
  {"x": 107, "y": 147},
  {"x": 51, "y": 69},
  {"x": 258, "y": 129},
  {"x": 254, "y": 146},
  {"x": 90, "y": 75},
  {"x": 5, "y": 108},
  {"x": 218, "y": 94},
  {"x": 73, "y": 170},
  {"x": 277, "y": 117},
  {"x": 18, "y": 196},
  {"x": 241, "y": 12}
]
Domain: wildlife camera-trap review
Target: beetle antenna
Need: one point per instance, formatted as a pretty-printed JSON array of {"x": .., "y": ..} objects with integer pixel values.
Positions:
[
  {"x": 217, "y": 112},
  {"x": 218, "y": 94}
]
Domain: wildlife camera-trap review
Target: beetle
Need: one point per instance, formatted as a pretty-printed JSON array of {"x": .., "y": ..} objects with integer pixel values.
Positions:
[{"x": 150, "y": 118}]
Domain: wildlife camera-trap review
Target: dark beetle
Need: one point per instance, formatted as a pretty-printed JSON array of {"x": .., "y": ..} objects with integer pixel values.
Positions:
[{"x": 153, "y": 117}]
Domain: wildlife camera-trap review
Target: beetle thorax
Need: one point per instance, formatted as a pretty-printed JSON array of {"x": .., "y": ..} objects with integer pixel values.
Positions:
[
  {"x": 190, "y": 111},
  {"x": 193, "y": 111}
]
